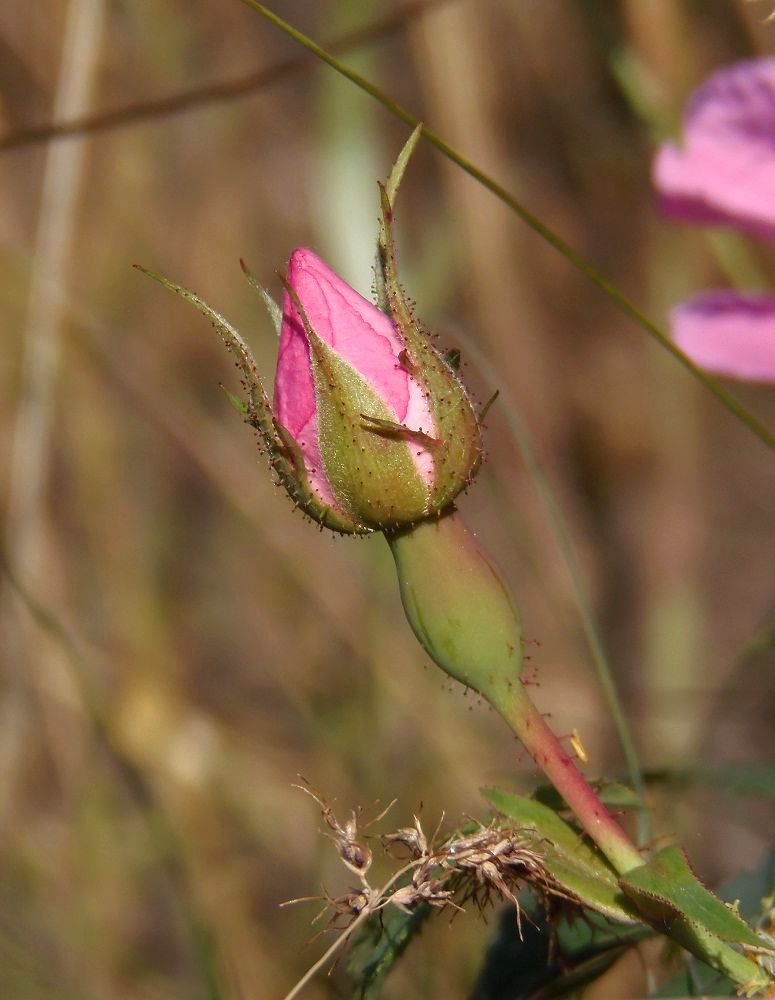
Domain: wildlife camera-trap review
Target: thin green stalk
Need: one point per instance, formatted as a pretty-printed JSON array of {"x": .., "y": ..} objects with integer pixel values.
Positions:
[{"x": 610, "y": 291}]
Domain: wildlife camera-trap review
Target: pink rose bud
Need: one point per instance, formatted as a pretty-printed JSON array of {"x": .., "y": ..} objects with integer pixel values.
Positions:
[
  {"x": 371, "y": 427},
  {"x": 385, "y": 428}
]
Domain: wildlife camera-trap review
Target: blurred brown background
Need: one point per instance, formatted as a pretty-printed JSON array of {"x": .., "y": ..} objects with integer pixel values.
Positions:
[{"x": 186, "y": 645}]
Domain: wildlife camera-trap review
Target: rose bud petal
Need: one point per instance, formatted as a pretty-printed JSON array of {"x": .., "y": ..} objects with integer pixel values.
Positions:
[
  {"x": 340, "y": 389},
  {"x": 360, "y": 409}
]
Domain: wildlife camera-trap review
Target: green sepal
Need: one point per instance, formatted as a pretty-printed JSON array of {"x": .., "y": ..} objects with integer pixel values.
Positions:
[
  {"x": 274, "y": 310},
  {"x": 393, "y": 182},
  {"x": 284, "y": 455},
  {"x": 577, "y": 867},
  {"x": 372, "y": 474},
  {"x": 460, "y": 450},
  {"x": 239, "y": 404},
  {"x": 402, "y": 161}
]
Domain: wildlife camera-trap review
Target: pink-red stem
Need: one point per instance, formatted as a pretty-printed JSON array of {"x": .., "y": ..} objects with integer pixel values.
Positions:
[{"x": 560, "y": 768}]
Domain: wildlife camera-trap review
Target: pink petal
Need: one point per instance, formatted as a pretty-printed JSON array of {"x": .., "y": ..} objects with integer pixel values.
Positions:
[
  {"x": 295, "y": 407},
  {"x": 724, "y": 171},
  {"x": 728, "y": 333},
  {"x": 359, "y": 332},
  {"x": 364, "y": 337}
]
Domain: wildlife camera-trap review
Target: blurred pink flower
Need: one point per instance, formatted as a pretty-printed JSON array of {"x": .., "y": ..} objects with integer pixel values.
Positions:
[
  {"x": 724, "y": 173},
  {"x": 728, "y": 333}
]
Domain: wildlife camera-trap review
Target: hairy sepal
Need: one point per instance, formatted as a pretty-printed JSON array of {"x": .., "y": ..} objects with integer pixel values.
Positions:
[{"x": 284, "y": 455}]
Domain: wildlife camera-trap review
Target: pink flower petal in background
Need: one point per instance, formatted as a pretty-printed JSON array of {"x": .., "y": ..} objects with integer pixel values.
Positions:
[
  {"x": 728, "y": 333},
  {"x": 724, "y": 170}
]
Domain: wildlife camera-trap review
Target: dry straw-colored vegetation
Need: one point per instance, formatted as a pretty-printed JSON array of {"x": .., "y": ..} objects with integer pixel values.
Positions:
[{"x": 175, "y": 645}]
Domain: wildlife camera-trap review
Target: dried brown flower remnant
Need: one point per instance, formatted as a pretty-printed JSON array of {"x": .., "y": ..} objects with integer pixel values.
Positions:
[
  {"x": 356, "y": 856},
  {"x": 410, "y": 837},
  {"x": 472, "y": 865}
]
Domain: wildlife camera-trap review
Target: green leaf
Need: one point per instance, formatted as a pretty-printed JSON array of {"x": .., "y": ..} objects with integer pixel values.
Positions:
[
  {"x": 613, "y": 794},
  {"x": 669, "y": 880},
  {"x": 577, "y": 867},
  {"x": 378, "y": 946},
  {"x": 551, "y": 958},
  {"x": 748, "y": 889},
  {"x": 754, "y": 778},
  {"x": 275, "y": 312}
]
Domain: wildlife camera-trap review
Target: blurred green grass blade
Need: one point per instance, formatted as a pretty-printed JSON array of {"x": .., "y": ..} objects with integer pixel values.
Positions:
[
  {"x": 611, "y": 793},
  {"x": 550, "y": 959},
  {"x": 575, "y": 258},
  {"x": 697, "y": 980},
  {"x": 378, "y": 946},
  {"x": 752, "y": 778},
  {"x": 169, "y": 849}
]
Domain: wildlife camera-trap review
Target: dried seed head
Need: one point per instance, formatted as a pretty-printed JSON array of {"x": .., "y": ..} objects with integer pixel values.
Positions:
[{"x": 411, "y": 837}]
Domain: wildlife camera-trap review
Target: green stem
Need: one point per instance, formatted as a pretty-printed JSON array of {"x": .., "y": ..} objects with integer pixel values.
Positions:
[
  {"x": 463, "y": 615},
  {"x": 561, "y": 531},
  {"x": 575, "y": 258}
]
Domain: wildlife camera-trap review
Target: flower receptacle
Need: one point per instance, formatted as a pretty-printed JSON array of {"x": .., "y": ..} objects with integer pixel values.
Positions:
[{"x": 460, "y": 609}]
